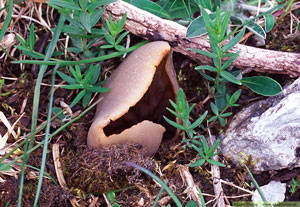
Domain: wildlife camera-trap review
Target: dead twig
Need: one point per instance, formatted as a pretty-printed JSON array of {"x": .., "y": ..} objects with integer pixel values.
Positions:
[
  {"x": 216, "y": 175},
  {"x": 188, "y": 180},
  {"x": 151, "y": 27}
]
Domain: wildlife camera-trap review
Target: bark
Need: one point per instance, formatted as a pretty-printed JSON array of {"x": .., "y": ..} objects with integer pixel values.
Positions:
[{"x": 151, "y": 27}]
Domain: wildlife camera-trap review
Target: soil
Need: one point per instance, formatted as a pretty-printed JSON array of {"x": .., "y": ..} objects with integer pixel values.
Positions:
[{"x": 90, "y": 173}]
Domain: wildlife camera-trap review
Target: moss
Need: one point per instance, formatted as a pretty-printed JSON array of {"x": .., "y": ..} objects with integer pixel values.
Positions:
[{"x": 100, "y": 170}]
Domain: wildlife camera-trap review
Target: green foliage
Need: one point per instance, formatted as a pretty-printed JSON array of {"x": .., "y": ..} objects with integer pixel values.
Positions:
[
  {"x": 237, "y": 17},
  {"x": 294, "y": 186},
  {"x": 222, "y": 59},
  {"x": 150, "y": 6},
  {"x": 220, "y": 115},
  {"x": 5, "y": 25},
  {"x": 205, "y": 153},
  {"x": 87, "y": 83},
  {"x": 193, "y": 141},
  {"x": 262, "y": 85},
  {"x": 27, "y": 46},
  {"x": 111, "y": 196},
  {"x": 114, "y": 29}
]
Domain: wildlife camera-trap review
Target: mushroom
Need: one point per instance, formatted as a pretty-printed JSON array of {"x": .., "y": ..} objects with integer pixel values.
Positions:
[{"x": 132, "y": 111}]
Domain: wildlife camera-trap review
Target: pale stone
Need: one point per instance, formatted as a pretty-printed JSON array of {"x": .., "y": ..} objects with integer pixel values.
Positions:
[
  {"x": 273, "y": 192},
  {"x": 268, "y": 130}
]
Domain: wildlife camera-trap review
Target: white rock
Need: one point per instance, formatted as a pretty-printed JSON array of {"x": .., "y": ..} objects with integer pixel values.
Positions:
[
  {"x": 273, "y": 192},
  {"x": 268, "y": 130}
]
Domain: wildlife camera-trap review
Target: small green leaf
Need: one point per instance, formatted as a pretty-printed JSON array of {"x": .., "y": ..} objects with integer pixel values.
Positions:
[
  {"x": 234, "y": 97},
  {"x": 73, "y": 86},
  {"x": 85, "y": 20},
  {"x": 64, "y": 4},
  {"x": 205, "y": 145},
  {"x": 222, "y": 121},
  {"x": 98, "y": 89},
  {"x": 196, "y": 28},
  {"x": 214, "y": 108},
  {"x": 174, "y": 105},
  {"x": 78, "y": 98},
  {"x": 110, "y": 39},
  {"x": 56, "y": 110},
  {"x": 86, "y": 99},
  {"x": 262, "y": 85},
  {"x": 234, "y": 41},
  {"x": 198, "y": 121},
  {"x": 269, "y": 22},
  {"x": 78, "y": 75},
  {"x": 151, "y": 7},
  {"x": 229, "y": 61},
  {"x": 226, "y": 114},
  {"x": 5, "y": 166},
  {"x": 88, "y": 76},
  {"x": 206, "y": 67},
  {"x": 191, "y": 204},
  {"x": 121, "y": 37},
  {"x": 96, "y": 4},
  {"x": 111, "y": 196},
  {"x": 96, "y": 17},
  {"x": 224, "y": 25},
  {"x": 213, "y": 162},
  {"x": 212, "y": 118},
  {"x": 228, "y": 76},
  {"x": 181, "y": 103},
  {"x": 174, "y": 124},
  {"x": 121, "y": 23},
  {"x": 202, "y": 52},
  {"x": 208, "y": 77},
  {"x": 31, "y": 37},
  {"x": 213, "y": 147},
  {"x": 256, "y": 29},
  {"x": 21, "y": 40},
  {"x": 198, "y": 163},
  {"x": 174, "y": 113},
  {"x": 66, "y": 78},
  {"x": 97, "y": 71},
  {"x": 206, "y": 18},
  {"x": 120, "y": 48}
]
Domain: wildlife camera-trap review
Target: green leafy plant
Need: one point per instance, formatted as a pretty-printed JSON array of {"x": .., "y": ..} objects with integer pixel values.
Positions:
[
  {"x": 87, "y": 83},
  {"x": 222, "y": 60},
  {"x": 237, "y": 16},
  {"x": 27, "y": 46},
  {"x": 114, "y": 29},
  {"x": 220, "y": 115},
  {"x": 294, "y": 186},
  {"x": 192, "y": 140},
  {"x": 111, "y": 196}
]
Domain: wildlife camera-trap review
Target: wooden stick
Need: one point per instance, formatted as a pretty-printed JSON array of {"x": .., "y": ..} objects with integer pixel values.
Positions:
[{"x": 151, "y": 27}]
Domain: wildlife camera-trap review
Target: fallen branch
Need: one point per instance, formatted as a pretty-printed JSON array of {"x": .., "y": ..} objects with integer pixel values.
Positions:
[{"x": 151, "y": 27}]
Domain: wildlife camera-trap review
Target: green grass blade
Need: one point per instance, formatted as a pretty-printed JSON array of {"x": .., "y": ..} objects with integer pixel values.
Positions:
[
  {"x": 86, "y": 61},
  {"x": 256, "y": 185},
  {"x": 57, "y": 131},
  {"x": 47, "y": 131},
  {"x": 7, "y": 20},
  {"x": 36, "y": 100}
]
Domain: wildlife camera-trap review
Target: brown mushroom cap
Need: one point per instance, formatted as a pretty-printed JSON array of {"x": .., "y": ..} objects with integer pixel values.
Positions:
[{"x": 131, "y": 101}]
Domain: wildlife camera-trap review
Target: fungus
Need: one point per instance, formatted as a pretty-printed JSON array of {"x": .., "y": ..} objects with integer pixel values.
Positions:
[{"x": 133, "y": 109}]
